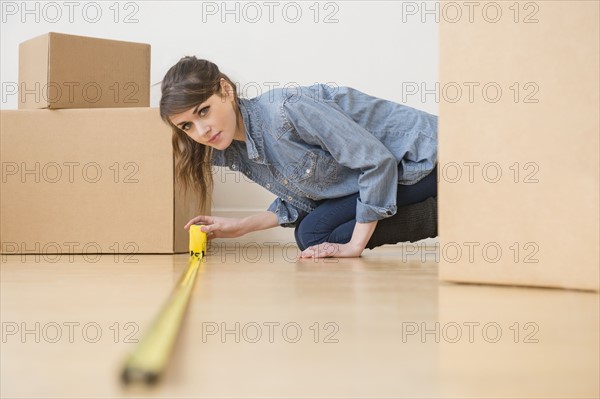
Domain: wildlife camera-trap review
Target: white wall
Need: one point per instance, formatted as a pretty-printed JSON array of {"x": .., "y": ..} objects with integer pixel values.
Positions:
[{"x": 379, "y": 47}]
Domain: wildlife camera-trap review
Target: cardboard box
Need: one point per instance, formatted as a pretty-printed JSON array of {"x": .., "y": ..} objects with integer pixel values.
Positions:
[
  {"x": 506, "y": 342},
  {"x": 91, "y": 181},
  {"x": 519, "y": 171},
  {"x": 67, "y": 71}
]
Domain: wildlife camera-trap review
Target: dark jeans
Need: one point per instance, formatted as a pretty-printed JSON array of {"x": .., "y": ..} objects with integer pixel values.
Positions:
[{"x": 333, "y": 220}]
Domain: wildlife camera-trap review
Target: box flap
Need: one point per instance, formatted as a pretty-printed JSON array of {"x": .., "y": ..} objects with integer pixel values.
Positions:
[{"x": 33, "y": 72}]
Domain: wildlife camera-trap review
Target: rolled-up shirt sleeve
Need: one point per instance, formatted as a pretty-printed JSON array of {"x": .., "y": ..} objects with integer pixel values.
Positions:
[
  {"x": 323, "y": 123},
  {"x": 287, "y": 214}
]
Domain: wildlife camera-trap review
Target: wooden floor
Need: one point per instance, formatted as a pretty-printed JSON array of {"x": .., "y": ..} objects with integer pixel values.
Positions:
[{"x": 377, "y": 326}]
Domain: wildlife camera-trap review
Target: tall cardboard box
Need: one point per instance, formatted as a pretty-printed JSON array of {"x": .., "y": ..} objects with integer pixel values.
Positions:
[
  {"x": 67, "y": 71},
  {"x": 91, "y": 181},
  {"x": 519, "y": 166}
]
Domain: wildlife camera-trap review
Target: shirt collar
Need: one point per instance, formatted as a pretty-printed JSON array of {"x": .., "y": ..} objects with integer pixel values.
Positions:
[{"x": 253, "y": 127}]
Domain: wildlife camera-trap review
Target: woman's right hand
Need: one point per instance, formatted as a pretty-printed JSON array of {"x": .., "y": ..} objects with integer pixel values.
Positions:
[{"x": 219, "y": 227}]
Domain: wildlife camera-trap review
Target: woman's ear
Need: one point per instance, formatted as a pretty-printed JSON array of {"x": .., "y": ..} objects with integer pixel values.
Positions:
[{"x": 226, "y": 88}]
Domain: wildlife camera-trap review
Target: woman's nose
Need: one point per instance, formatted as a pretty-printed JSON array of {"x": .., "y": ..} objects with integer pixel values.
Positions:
[{"x": 203, "y": 130}]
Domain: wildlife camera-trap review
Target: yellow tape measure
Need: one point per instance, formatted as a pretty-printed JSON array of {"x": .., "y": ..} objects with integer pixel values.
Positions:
[{"x": 151, "y": 355}]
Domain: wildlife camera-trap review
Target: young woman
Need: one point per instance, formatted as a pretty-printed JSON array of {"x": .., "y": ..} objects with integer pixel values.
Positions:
[{"x": 350, "y": 171}]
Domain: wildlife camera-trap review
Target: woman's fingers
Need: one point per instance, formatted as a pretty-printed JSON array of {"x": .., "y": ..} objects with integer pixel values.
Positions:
[
  {"x": 198, "y": 219},
  {"x": 214, "y": 230},
  {"x": 322, "y": 250},
  {"x": 310, "y": 252},
  {"x": 210, "y": 229}
]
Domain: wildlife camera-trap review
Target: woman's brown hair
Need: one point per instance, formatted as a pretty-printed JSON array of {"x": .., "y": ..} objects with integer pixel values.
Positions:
[{"x": 188, "y": 83}]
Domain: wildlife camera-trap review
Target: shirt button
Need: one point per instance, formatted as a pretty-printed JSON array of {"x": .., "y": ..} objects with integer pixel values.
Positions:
[
  {"x": 289, "y": 197},
  {"x": 268, "y": 185},
  {"x": 233, "y": 166},
  {"x": 285, "y": 181},
  {"x": 307, "y": 171}
]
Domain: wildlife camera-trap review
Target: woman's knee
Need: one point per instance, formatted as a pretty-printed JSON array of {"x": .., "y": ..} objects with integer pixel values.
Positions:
[
  {"x": 306, "y": 235},
  {"x": 299, "y": 235},
  {"x": 318, "y": 225}
]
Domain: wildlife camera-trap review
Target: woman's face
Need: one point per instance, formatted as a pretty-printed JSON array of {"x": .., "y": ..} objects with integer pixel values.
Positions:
[{"x": 212, "y": 123}]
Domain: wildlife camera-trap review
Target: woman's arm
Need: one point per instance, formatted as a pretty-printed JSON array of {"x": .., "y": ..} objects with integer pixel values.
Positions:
[
  {"x": 260, "y": 221},
  {"x": 362, "y": 234},
  {"x": 360, "y": 238},
  {"x": 222, "y": 227}
]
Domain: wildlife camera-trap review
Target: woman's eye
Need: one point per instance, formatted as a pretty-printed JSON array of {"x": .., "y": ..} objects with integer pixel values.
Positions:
[{"x": 186, "y": 126}]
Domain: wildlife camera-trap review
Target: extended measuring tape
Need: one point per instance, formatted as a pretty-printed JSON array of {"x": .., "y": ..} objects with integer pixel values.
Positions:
[{"x": 150, "y": 357}]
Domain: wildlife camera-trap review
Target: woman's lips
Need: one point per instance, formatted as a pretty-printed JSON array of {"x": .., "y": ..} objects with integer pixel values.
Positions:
[{"x": 215, "y": 138}]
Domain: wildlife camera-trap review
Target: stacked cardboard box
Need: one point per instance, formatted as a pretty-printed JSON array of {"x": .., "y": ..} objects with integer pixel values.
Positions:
[
  {"x": 87, "y": 166},
  {"x": 519, "y": 166}
]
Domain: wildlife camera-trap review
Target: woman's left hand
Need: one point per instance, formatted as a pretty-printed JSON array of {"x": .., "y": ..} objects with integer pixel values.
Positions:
[{"x": 327, "y": 250}]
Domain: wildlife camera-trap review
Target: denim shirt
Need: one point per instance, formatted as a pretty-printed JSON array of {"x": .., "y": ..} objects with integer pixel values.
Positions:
[{"x": 311, "y": 143}]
